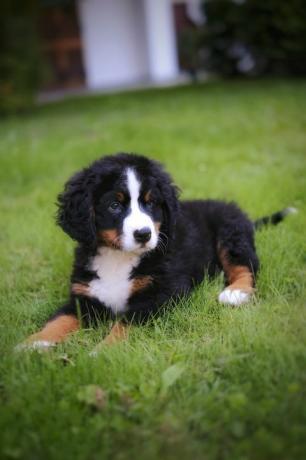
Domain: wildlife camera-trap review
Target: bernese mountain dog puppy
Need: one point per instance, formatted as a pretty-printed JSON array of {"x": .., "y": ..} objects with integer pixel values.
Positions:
[{"x": 138, "y": 247}]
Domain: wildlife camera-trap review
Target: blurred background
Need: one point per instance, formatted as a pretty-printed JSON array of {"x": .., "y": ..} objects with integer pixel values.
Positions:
[{"x": 50, "y": 48}]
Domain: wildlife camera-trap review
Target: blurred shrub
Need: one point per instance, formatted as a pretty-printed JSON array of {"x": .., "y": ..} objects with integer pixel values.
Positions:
[
  {"x": 254, "y": 37},
  {"x": 189, "y": 43},
  {"x": 20, "y": 61}
]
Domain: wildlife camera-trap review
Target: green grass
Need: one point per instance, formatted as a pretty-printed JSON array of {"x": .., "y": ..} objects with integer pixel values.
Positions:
[{"x": 205, "y": 381}]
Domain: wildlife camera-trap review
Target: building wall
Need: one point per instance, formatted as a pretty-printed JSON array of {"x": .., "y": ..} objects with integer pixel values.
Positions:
[
  {"x": 162, "y": 47},
  {"x": 114, "y": 42}
]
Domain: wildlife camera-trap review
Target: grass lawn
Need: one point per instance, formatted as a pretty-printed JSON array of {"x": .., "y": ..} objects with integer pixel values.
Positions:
[{"x": 204, "y": 381}]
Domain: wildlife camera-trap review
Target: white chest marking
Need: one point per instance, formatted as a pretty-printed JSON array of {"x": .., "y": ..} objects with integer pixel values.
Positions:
[{"x": 113, "y": 286}]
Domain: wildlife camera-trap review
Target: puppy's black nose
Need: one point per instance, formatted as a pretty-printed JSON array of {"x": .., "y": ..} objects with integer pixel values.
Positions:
[{"x": 143, "y": 235}]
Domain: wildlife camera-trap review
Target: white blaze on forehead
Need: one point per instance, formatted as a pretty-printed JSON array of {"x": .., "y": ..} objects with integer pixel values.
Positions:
[
  {"x": 136, "y": 219},
  {"x": 133, "y": 186}
]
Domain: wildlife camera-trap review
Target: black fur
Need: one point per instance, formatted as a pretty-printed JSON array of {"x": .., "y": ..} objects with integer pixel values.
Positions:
[{"x": 192, "y": 232}]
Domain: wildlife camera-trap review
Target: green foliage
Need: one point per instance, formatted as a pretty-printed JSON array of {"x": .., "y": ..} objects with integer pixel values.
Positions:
[
  {"x": 20, "y": 61},
  {"x": 204, "y": 381},
  {"x": 189, "y": 41},
  {"x": 255, "y": 37},
  {"x": 92, "y": 396},
  {"x": 170, "y": 376}
]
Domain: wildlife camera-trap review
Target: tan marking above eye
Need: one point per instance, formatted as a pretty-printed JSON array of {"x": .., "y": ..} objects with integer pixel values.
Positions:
[
  {"x": 110, "y": 238},
  {"x": 120, "y": 197},
  {"x": 238, "y": 276},
  {"x": 147, "y": 196}
]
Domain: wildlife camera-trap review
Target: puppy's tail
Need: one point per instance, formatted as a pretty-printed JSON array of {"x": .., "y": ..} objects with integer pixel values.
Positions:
[{"x": 274, "y": 219}]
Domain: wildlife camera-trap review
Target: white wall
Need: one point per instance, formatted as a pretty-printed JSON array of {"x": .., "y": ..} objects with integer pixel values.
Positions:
[
  {"x": 161, "y": 40},
  {"x": 114, "y": 42}
]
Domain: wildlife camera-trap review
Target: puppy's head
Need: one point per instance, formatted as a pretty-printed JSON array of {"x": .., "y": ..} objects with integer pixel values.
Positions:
[{"x": 124, "y": 201}]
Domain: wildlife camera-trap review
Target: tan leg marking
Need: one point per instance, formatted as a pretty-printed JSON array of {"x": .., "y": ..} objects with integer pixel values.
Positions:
[
  {"x": 110, "y": 238},
  {"x": 140, "y": 283},
  {"x": 80, "y": 289},
  {"x": 56, "y": 330},
  {"x": 238, "y": 276},
  {"x": 118, "y": 333}
]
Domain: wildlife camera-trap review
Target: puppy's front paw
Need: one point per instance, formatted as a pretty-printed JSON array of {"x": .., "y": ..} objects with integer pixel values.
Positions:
[
  {"x": 38, "y": 345},
  {"x": 234, "y": 297}
]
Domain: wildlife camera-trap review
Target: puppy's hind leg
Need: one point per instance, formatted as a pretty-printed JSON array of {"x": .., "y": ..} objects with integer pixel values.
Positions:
[
  {"x": 240, "y": 283},
  {"x": 238, "y": 259}
]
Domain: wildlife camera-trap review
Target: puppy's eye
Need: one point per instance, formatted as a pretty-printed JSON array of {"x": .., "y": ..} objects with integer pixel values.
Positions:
[
  {"x": 150, "y": 204},
  {"x": 115, "y": 206}
]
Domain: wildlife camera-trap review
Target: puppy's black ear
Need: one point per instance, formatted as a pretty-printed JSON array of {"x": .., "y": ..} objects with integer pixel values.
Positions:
[
  {"x": 75, "y": 208},
  {"x": 170, "y": 208},
  {"x": 170, "y": 194}
]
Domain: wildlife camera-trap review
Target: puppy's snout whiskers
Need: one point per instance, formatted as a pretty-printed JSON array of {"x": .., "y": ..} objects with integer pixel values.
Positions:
[{"x": 161, "y": 244}]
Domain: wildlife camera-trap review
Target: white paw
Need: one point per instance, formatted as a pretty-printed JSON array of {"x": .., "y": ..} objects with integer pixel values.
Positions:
[
  {"x": 36, "y": 345},
  {"x": 234, "y": 297}
]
